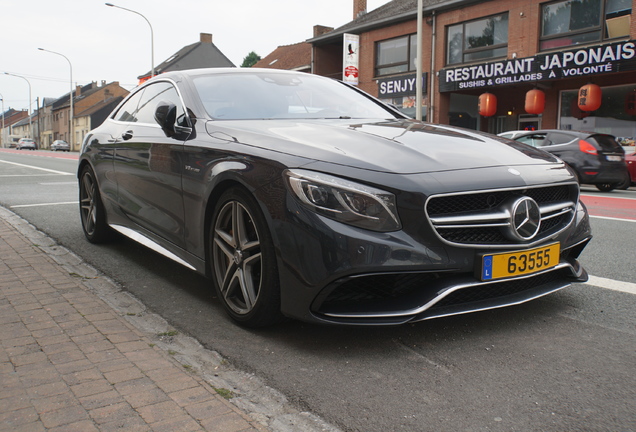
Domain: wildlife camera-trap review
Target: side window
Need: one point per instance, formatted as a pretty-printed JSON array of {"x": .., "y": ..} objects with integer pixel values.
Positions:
[
  {"x": 533, "y": 140},
  {"x": 128, "y": 110},
  {"x": 152, "y": 96},
  {"x": 559, "y": 138}
]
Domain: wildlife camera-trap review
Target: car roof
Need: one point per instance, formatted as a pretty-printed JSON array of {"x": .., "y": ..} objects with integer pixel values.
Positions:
[
  {"x": 191, "y": 73},
  {"x": 580, "y": 134}
]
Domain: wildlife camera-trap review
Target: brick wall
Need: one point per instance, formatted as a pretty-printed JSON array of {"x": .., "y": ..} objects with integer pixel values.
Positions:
[{"x": 524, "y": 24}]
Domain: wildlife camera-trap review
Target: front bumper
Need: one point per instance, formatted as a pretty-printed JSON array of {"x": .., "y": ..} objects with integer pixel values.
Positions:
[{"x": 334, "y": 273}]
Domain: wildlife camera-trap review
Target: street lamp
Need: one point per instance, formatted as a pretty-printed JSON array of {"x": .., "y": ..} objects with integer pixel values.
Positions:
[
  {"x": 29, "y": 108},
  {"x": 70, "y": 95},
  {"x": 2, "y": 130},
  {"x": 152, "y": 37}
]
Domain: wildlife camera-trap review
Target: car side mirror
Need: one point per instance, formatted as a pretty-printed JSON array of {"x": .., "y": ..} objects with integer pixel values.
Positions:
[{"x": 166, "y": 116}]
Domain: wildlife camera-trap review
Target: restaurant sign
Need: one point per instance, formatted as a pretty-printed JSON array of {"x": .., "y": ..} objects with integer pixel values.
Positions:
[
  {"x": 594, "y": 60},
  {"x": 397, "y": 86}
]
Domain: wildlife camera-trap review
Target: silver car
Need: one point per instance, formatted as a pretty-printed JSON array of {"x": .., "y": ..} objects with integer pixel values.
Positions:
[
  {"x": 60, "y": 145},
  {"x": 26, "y": 144}
]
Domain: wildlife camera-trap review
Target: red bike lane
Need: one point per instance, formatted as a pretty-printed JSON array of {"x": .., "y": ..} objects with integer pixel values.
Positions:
[
  {"x": 43, "y": 153},
  {"x": 620, "y": 208}
]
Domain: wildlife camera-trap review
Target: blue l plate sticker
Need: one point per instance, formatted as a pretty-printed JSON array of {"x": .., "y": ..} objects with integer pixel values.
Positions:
[{"x": 486, "y": 273}]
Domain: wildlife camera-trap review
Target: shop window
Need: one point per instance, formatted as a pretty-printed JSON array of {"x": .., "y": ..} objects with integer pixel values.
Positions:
[
  {"x": 463, "y": 112},
  {"x": 613, "y": 117},
  {"x": 406, "y": 105},
  {"x": 395, "y": 56},
  {"x": 573, "y": 22},
  {"x": 481, "y": 39}
]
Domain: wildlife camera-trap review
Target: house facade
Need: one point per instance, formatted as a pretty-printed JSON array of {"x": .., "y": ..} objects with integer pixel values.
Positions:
[
  {"x": 84, "y": 98},
  {"x": 9, "y": 118},
  {"x": 295, "y": 57},
  {"x": 202, "y": 54},
  {"x": 504, "y": 48},
  {"x": 27, "y": 127}
]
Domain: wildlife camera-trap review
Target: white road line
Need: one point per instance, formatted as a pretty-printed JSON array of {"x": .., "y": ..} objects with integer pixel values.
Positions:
[
  {"x": 26, "y": 175},
  {"x": 58, "y": 183},
  {"x": 612, "y": 284},
  {"x": 38, "y": 168},
  {"x": 612, "y": 218},
  {"x": 43, "y": 204}
]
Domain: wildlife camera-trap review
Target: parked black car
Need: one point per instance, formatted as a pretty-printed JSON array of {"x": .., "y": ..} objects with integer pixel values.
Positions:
[
  {"x": 301, "y": 196},
  {"x": 596, "y": 158}
]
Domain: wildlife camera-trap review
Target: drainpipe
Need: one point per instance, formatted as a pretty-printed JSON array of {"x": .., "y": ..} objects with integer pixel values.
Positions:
[
  {"x": 431, "y": 89},
  {"x": 418, "y": 66}
]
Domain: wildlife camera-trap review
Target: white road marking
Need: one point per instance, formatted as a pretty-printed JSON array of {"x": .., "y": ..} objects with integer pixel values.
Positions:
[
  {"x": 38, "y": 168},
  {"x": 612, "y": 284},
  {"x": 43, "y": 204},
  {"x": 58, "y": 183},
  {"x": 26, "y": 175},
  {"x": 613, "y": 218}
]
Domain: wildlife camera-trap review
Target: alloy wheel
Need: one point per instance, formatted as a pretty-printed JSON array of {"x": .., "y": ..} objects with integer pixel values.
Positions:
[
  {"x": 88, "y": 190},
  {"x": 237, "y": 257}
]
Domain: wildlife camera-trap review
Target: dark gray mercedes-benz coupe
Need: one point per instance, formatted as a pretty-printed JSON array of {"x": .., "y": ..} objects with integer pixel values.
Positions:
[{"x": 303, "y": 197}]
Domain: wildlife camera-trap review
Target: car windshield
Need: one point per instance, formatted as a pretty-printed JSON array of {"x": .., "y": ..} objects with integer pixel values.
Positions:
[{"x": 283, "y": 96}]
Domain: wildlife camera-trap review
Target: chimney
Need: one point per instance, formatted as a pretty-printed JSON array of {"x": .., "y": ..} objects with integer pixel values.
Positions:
[
  {"x": 78, "y": 90},
  {"x": 359, "y": 8},
  {"x": 206, "y": 38},
  {"x": 320, "y": 30}
]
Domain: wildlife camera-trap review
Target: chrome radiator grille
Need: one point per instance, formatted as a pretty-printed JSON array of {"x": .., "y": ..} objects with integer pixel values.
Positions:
[{"x": 483, "y": 217}]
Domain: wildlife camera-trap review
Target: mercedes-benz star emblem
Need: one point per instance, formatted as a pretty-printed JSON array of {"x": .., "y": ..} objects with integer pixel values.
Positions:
[{"x": 525, "y": 218}]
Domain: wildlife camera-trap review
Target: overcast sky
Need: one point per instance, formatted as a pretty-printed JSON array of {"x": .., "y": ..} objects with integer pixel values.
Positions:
[{"x": 110, "y": 44}]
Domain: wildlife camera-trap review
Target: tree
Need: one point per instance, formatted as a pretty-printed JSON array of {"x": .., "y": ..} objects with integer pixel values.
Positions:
[{"x": 250, "y": 60}]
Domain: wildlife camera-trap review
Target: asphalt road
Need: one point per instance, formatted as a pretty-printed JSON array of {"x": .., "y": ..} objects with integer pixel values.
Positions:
[{"x": 563, "y": 362}]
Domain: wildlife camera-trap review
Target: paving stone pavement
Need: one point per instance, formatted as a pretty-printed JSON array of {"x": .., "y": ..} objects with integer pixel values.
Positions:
[{"x": 70, "y": 362}]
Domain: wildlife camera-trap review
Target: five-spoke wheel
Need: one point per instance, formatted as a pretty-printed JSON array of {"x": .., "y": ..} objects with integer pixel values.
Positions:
[
  {"x": 243, "y": 260},
  {"x": 92, "y": 211}
]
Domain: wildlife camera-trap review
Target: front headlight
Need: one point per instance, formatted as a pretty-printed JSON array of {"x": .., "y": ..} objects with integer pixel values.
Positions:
[{"x": 345, "y": 201}]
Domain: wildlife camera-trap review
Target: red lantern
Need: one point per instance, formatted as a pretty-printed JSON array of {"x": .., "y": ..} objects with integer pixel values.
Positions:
[
  {"x": 487, "y": 104},
  {"x": 590, "y": 96},
  {"x": 630, "y": 103},
  {"x": 535, "y": 101}
]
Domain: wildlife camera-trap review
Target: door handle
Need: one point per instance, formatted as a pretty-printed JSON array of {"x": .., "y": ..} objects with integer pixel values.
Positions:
[{"x": 127, "y": 135}]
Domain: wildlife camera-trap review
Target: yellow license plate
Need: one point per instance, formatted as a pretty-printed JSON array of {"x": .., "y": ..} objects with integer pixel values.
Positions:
[{"x": 511, "y": 264}]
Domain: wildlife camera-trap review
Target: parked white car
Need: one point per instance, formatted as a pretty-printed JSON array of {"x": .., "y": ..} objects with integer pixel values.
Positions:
[
  {"x": 60, "y": 145},
  {"x": 512, "y": 134},
  {"x": 26, "y": 144}
]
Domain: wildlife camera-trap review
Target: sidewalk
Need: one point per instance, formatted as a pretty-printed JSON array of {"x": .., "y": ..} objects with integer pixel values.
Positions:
[{"x": 70, "y": 362}]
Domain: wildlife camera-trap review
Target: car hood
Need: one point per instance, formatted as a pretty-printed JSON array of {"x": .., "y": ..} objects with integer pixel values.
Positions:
[{"x": 395, "y": 146}]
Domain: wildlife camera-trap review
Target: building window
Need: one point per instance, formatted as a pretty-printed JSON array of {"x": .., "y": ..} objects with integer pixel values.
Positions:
[
  {"x": 481, "y": 39},
  {"x": 573, "y": 22},
  {"x": 395, "y": 56}
]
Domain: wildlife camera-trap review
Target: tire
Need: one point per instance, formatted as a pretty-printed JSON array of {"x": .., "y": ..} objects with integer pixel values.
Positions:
[
  {"x": 626, "y": 183},
  {"x": 606, "y": 187},
  {"x": 243, "y": 261},
  {"x": 92, "y": 212}
]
